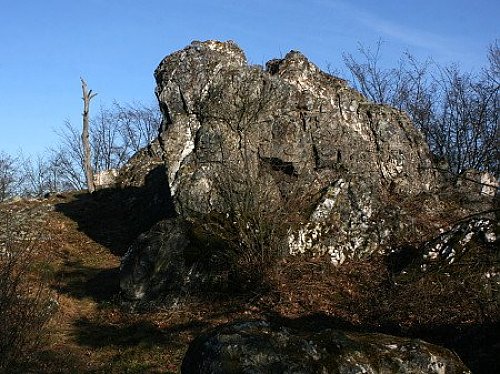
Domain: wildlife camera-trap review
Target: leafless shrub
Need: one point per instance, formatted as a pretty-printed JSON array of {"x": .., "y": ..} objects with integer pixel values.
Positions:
[
  {"x": 248, "y": 233},
  {"x": 457, "y": 111},
  {"x": 26, "y": 303},
  {"x": 9, "y": 178}
]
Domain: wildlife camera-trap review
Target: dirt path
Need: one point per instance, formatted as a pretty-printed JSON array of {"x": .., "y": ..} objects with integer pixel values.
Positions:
[{"x": 91, "y": 332}]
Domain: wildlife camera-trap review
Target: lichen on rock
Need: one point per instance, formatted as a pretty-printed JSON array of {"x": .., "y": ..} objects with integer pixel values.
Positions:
[
  {"x": 294, "y": 151},
  {"x": 263, "y": 347}
]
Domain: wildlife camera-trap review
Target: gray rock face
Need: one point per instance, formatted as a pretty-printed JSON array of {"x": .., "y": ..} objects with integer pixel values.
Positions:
[
  {"x": 140, "y": 166},
  {"x": 286, "y": 151},
  {"x": 261, "y": 347},
  {"x": 290, "y": 127}
]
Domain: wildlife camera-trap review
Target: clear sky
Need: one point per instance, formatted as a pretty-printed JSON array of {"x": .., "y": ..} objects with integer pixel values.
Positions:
[{"x": 45, "y": 46}]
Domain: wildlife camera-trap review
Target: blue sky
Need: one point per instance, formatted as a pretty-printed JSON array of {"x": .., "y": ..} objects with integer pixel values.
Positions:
[{"x": 45, "y": 46}]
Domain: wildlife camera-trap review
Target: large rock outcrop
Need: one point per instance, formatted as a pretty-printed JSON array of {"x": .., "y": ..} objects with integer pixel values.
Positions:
[
  {"x": 288, "y": 149},
  {"x": 291, "y": 116},
  {"x": 263, "y": 347},
  {"x": 290, "y": 127}
]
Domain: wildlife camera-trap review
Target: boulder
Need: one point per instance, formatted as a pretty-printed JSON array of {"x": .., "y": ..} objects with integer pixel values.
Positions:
[
  {"x": 135, "y": 172},
  {"x": 284, "y": 160},
  {"x": 263, "y": 347},
  {"x": 155, "y": 262},
  {"x": 105, "y": 178},
  {"x": 473, "y": 182},
  {"x": 289, "y": 128}
]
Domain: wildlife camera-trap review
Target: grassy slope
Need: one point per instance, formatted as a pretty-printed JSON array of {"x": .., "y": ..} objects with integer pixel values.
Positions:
[{"x": 92, "y": 333}]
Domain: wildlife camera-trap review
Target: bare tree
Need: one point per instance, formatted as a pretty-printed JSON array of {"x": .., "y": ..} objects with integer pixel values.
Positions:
[
  {"x": 115, "y": 134},
  {"x": 138, "y": 124},
  {"x": 493, "y": 70},
  {"x": 9, "y": 177},
  {"x": 68, "y": 157},
  {"x": 378, "y": 84},
  {"x": 456, "y": 111},
  {"x": 120, "y": 131},
  {"x": 40, "y": 176},
  {"x": 89, "y": 175}
]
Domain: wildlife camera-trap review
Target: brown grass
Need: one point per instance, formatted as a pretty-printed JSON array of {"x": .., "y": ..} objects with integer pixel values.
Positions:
[{"x": 92, "y": 333}]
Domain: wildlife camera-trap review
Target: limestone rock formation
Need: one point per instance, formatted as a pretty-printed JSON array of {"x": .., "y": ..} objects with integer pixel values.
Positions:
[
  {"x": 262, "y": 347},
  {"x": 292, "y": 128},
  {"x": 288, "y": 152},
  {"x": 140, "y": 166}
]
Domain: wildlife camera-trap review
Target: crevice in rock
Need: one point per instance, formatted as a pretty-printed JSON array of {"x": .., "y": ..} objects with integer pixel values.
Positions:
[
  {"x": 339, "y": 103},
  {"x": 303, "y": 121},
  {"x": 183, "y": 99},
  {"x": 278, "y": 164},
  {"x": 377, "y": 145},
  {"x": 317, "y": 160},
  {"x": 167, "y": 118}
]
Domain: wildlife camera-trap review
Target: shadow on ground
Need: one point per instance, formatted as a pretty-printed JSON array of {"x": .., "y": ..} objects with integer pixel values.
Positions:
[
  {"x": 478, "y": 345},
  {"x": 115, "y": 217},
  {"x": 80, "y": 281},
  {"x": 142, "y": 333}
]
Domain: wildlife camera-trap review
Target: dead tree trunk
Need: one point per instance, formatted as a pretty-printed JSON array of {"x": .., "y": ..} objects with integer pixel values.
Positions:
[{"x": 87, "y": 161}]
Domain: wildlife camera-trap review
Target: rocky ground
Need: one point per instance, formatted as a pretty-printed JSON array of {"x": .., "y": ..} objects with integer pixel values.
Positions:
[{"x": 81, "y": 238}]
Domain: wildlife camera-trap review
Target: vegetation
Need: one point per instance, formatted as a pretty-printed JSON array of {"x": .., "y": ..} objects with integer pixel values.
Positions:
[
  {"x": 8, "y": 176},
  {"x": 116, "y": 133},
  {"x": 457, "y": 111},
  {"x": 92, "y": 332},
  {"x": 87, "y": 329},
  {"x": 87, "y": 165},
  {"x": 26, "y": 301}
]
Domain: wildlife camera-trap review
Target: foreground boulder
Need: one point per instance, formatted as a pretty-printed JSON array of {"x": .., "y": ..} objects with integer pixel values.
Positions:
[
  {"x": 154, "y": 264},
  {"x": 262, "y": 347}
]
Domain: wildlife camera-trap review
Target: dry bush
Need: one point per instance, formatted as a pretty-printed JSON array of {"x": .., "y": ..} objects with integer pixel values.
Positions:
[
  {"x": 26, "y": 303},
  {"x": 244, "y": 240},
  {"x": 316, "y": 285},
  {"x": 364, "y": 292}
]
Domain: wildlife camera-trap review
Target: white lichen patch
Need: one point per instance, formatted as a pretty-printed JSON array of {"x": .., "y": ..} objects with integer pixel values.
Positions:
[
  {"x": 466, "y": 239},
  {"x": 392, "y": 346},
  {"x": 325, "y": 207},
  {"x": 452, "y": 243},
  {"x": 183, "y": 148},
  {"x": 489, "y": 184},
  {"x": 490, "y": 237},
  {"x": 339, "y": 239},
  {"x": 436, "y": 365}
]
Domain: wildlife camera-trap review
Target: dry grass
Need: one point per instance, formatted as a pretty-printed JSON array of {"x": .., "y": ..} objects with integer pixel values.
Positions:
[{"x": 92, "y": 333}]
